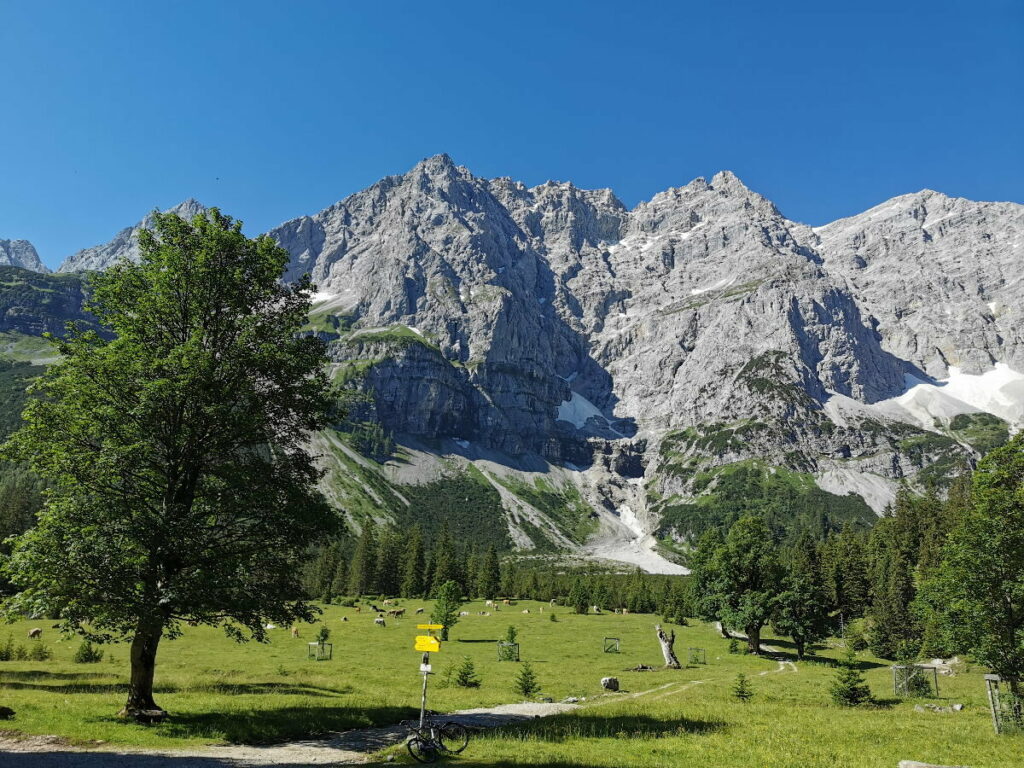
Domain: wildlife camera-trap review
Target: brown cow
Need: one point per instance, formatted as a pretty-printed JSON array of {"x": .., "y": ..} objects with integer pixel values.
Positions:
[
  {"x": 35, "y": 633},
  {"x": 396, "y": 613},
  {"x": 295, "y": 631}
]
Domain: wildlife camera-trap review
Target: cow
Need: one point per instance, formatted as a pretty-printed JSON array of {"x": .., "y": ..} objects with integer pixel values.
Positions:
[
  {"x": 270, "y": 626},
  {"x": 419, "y": 610},
  {"x": 35, "y": 633},
  {"x": 625, "y": 611},
  {"x": 506, "y": 601},
  {"x": 396, "y": 612},
  {"x": 526, "y": 610},
  {"x": 597, "y": 609},
  {"x": 375, "y": 608},
  {"x": 489, "y": 603},
  {"x": 553, "y": 601},
  {"x": 487, "y": 613},
  {"x": 389, "y": 602},
  {"x": 541, "y": 609},
  {"x": 344, "y": 618},
  {"x": 463, "y": 613},
  {"x": 295, "y": 631},
  {"x": 379, "y": 621},
  {"x": 359, "y": 609}
]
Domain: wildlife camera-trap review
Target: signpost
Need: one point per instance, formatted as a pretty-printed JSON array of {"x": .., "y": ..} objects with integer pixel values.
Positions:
[{"x": 428, "y": 644}]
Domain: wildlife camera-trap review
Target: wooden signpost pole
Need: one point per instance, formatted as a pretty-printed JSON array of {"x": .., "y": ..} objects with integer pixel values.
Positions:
[{"x": 425, "y": 667}]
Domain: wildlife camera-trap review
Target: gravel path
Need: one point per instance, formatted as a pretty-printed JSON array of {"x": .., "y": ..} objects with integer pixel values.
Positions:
[{"x": 349, "y": 748}]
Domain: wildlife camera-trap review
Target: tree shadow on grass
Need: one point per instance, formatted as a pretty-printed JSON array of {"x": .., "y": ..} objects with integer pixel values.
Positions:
[
  {"x": 227, "y": 689},
  {"x": 825, "y": 661},
  {"x": 62, "y": 759},
  {"x": 476, "y": 641},
  {"x": 272, "y": 726}
]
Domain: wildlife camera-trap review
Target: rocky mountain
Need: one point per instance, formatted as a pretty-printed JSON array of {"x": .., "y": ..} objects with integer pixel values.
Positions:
[
  {"x": 124, "y": 245},
  {"x": 20, "y": 253},
  {"x": 620, "y": 379}
]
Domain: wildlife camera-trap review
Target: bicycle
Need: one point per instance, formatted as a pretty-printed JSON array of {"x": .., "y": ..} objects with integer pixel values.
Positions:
[{"x": 433, "y": 738}]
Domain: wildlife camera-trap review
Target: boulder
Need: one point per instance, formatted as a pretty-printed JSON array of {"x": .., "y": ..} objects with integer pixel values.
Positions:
[{"x": 610, "y": 683}]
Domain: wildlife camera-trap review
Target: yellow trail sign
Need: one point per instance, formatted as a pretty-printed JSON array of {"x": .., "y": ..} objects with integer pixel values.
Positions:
[
  {"x": 430, "y": 626},
  {"x": 427, "y": 644}
]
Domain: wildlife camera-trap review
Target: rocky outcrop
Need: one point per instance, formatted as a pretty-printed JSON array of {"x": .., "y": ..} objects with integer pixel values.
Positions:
[
  {"x": 21, "y": 253},
  {"x": 124, "y": 245}
]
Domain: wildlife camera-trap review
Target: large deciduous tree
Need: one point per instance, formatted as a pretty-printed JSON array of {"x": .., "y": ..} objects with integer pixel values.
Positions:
[{"x": 180, "y": 486}]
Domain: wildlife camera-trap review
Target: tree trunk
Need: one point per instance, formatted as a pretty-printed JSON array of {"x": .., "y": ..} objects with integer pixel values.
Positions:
[
  {"x": 667, "y": 641},
  {"x": 143, "y": 665},
  {"x": 754, "y": 638},
  {"x": 725, "y": 632},
  {"x": 800, "y": 647}
]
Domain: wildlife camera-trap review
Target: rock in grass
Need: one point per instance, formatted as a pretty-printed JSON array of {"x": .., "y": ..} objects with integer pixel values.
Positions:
[{"x": 915, "y": 764}]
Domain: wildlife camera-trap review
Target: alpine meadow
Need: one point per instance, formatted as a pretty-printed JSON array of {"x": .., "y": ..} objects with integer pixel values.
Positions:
[{"x": 466, "y": 469}]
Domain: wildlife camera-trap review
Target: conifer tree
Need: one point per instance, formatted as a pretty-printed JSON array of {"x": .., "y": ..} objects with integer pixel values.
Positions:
[
  {"x": 413, "y": 565},
  {"x": 578, "y": 597},
  {"x": 489, "y": 574},
  {"x": 361, "y": 577},
  {"x": 801, "y": 610},
  {"x": 849, "y": 688}
]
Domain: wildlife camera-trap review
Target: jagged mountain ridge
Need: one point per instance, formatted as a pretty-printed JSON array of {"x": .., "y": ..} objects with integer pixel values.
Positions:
[
  {"x": 641, "y": 350},
  {"x": 21, "y": 253}
]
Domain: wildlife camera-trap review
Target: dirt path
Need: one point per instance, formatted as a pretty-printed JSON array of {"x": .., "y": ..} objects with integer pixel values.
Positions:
[{"x": 349, "y": 748}]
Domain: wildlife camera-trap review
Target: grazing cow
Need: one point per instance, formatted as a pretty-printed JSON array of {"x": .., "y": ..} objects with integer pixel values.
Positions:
[
  {"x": 270, "y": 626},
  {"x": 506, "y": 601},
  {"x": 419, "y": 610},
  {"x": 375, "y": 608},
  {"x": 553, "y": 601},
  {"x": 295, "y": 631},
  {"x": 359, "y": 609},
  {"x": 597, "y": 609},
  {"x": 463, "y": 613},
  {"x": 487, "y": 613},
  {"x": 344, "y": 618},
  {"x": 35, "y": 633},
  {"x": 389, "y": 602},
  {"x": 396, "y": 612},
  {"x": 625, "y": 611},
  {"x": 379, "y": 621},
  {"x": 526, "y": 610},
  {"x": 489, "y": 603},
  {"x": 541, "y": 609}
]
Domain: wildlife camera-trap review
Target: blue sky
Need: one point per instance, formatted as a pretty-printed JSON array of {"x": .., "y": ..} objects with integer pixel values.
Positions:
[{"x": 271, "y": 110}]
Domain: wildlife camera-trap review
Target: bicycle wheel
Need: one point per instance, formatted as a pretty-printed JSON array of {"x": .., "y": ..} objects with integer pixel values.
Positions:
[
  {"x": 422, "y": 751},
  {"x": 454, "y": 737}
]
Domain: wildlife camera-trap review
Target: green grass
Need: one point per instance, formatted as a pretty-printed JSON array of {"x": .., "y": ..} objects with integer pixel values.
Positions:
[{"x": 218, "y": 691}]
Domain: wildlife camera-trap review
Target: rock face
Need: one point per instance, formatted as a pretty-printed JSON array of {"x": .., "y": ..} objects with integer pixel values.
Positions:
[
  {"x": 702, "y": 327},
  {"x": 20, "y": 253},
  {"x": 640, "y": 352},
  {"x": 125, "y": 244}
]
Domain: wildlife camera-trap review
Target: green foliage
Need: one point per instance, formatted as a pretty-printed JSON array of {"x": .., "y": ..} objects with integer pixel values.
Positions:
[
  {"x": 323, "y": 634},
  {"x": 855, "y": 635},
  {"x": 446, "y": 607},
  {"x": 11, "y": 652},
  {"x": 734, "y": 646},
  {"x": 526, "y": 684},
  {"x": 466, "y": 501},
  {"x": 789, "y": 502},
  {"x": 982, "y": 431},
  {"x": 801, "y": 609},
  {"x": 465, "y": 674},
  {"x": 87, "y": 653},
  {"x": 981, "y": 579},
  {"x": 33, "y": 302},
  {"x": 742, "y": 689},
  {"x": 489, "y": 576},
  {"x": 39, "y": 652},
  {"x": 849, "y": 688},
  {"x": 180, "y": 486},
  {"x": 579, "y": 598},
  {"x": 511, "y": 634}
]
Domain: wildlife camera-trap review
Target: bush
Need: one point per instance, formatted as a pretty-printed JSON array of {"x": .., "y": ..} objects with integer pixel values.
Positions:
[
  {"x": 526, "y": 684},
  {"x": 552, "y": 617},
  {"x": 742, "y": 689},
  {"x": 347, "y": 602},
  {"x": 87, "y": 653},
  {"x": 40, "y": 652},
  {"x": 734, "y": 646},
  {"x": 465, "y": 675},
  {"x": 323, "y": 635},
  {"x": 511, "y": 634},
  {"x": 855, "y": 636},
  {"x": 7, "y": 649},
  {"x": 849, "y": 688}
]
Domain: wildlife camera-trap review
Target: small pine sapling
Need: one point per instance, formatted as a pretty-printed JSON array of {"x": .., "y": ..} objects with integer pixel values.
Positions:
[
  {"x": 849, "y": 688},
  {"x": 742, "y": 689},
  {"x": 526, "y": 684},
  {"x": 465, "y": 675}
]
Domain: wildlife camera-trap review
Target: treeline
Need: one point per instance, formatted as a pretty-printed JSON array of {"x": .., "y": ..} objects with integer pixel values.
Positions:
[
  {"x": 934, "y": 577},
  {"x": 387, "y": 561}
]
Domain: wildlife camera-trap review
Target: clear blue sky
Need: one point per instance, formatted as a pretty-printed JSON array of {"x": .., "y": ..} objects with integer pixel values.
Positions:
[{"x": 271, "y": 110}]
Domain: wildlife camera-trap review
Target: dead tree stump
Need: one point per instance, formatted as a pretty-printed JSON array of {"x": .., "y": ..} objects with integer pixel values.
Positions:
[{"x": 667, "y": 641}]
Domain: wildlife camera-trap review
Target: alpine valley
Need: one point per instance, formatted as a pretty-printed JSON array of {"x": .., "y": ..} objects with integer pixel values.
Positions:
[{"x": 550, "y": 371}]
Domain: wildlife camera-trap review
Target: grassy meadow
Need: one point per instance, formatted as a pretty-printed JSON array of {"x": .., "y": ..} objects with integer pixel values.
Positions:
[{"x": 220, "y": 692}]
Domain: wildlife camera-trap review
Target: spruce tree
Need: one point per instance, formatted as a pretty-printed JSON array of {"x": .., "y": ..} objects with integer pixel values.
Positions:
[
  {"x": 361, "y": 577},
  {"x": 849, "y": 688},
  {"x": 742, "y": 689},
  {"x": 413, "y": 565},
  {"x": 489, "y": 574},
  {"x": 526, "y": 684},
  {"x": 578, "y": 598},
  {"x": 801, "y": 610},
  {"x": 446, "y": 607}
]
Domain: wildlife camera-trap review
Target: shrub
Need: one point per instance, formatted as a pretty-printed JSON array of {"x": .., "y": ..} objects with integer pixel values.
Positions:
[
  {"x": 742, "y": 689},
  {"x": 20, "y": 653},
  {"x": 526, "y": 684},
  {"x": 734, "y": 646},
  {"x": 87, "y": 653},
  {"x": 511, "y": 634},
  {"x": 323, "y": 635},
  {"x": 347, "y": 602},
  {"x": 7, "y": 649},
  {"x": 465, "y": 675},
  {"x": 40, "y": 652},
  {"x": 849, "y": 688},
  {"x": 552, "y": 617}
]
